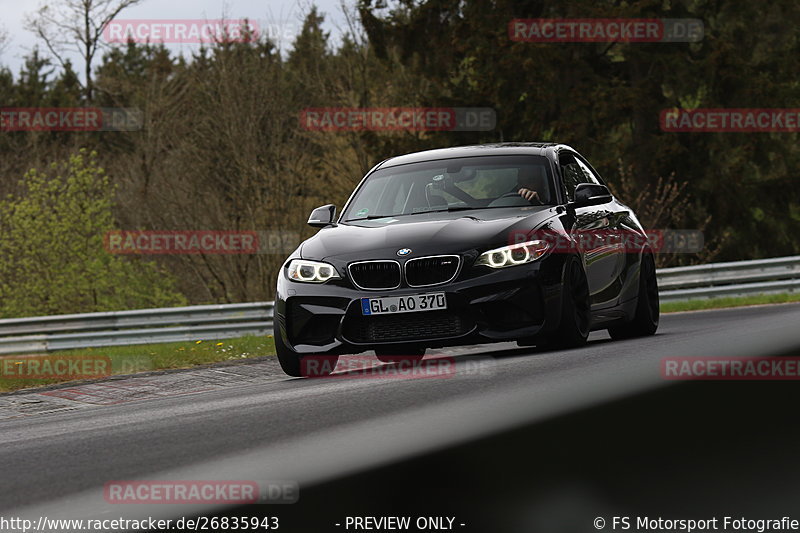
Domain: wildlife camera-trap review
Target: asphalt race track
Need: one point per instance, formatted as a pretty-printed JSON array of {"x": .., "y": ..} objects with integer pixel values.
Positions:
[{"x": 426, "y": 444}]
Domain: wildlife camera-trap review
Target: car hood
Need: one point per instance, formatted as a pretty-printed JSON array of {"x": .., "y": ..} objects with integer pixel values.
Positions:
[{"x": 424, "y": 234}]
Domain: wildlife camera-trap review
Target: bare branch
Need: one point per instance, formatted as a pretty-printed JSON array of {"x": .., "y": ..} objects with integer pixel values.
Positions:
[
  {"x": 3, "y": 39},
  {"x": 75, "y": 25}
]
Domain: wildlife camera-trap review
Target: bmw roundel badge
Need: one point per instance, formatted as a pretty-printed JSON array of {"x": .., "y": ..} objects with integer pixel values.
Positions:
[{"x": 403, "y": 251}]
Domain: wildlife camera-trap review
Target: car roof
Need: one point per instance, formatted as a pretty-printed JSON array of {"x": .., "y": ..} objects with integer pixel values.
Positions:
[{"x": 475, "y": 150}]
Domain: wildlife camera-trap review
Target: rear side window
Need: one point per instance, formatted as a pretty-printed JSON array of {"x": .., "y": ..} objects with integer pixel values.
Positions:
[
  {"x": 575, "y": 171},
  {"x": 572, "y": 173}
]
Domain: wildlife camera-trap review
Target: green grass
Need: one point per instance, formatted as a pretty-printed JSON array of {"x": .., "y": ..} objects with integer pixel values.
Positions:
[
  {"x": 118, "y": 360},
  {"x": 718, "y": 303}
]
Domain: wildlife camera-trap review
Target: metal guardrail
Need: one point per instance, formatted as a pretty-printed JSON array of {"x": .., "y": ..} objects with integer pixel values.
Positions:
[
  {"x": 739, "y": 278},
  {"x": 213, "y": 322},
  {"x": 141, "y": 326}
]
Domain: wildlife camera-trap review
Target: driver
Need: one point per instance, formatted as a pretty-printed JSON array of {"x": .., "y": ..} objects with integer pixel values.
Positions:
[{"x": 527, "y": 182}]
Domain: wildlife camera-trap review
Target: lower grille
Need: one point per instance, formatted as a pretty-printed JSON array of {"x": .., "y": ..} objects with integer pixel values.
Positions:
[
  {"x": 375, "y": 274},
  {"x": 433, "y": 270},
  {"x": 404, "y": 327}
]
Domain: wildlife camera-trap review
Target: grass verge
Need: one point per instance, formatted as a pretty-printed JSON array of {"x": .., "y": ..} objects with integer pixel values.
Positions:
[
  {"x": 719, "y": 303},
  {"x": 26, "y": 371}
]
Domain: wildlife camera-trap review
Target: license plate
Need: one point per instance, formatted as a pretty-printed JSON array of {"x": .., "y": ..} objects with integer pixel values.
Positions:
[{"x": 403, "y": 304}]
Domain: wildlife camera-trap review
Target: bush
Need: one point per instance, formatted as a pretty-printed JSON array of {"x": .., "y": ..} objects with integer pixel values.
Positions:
[{"x": 52, "y": 258}]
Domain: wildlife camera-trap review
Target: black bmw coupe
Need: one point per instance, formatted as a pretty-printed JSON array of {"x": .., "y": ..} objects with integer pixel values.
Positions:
[{"x": 489, "y": 243}]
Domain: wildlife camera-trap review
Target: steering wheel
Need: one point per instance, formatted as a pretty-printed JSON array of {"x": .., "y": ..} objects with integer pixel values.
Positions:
[{"x": 505, "y": 201}]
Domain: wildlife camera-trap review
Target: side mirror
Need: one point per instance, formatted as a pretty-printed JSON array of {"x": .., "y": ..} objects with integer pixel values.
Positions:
[
  {"x": 591, "y": 194},
  {"x": 322, "y": 216}
]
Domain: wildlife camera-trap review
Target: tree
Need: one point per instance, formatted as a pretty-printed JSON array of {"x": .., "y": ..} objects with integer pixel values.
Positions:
[
  {"x": 52, "y": 255},
  {"x": 606, "y": 98},
  {"x": 77, "y": 25},
  {"x": 34, "y": 85},
  {"x": 3, "y": 39}
]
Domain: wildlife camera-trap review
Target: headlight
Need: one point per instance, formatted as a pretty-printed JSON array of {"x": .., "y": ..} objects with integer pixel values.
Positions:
[
  {"x": 311, "y": 271},
  {"x": 515, "y": 254}
]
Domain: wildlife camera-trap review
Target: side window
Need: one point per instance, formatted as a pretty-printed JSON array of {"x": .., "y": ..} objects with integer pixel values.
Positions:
[
  {"x": 572, "y": 173},
  {"x": 590, "y": 175}
]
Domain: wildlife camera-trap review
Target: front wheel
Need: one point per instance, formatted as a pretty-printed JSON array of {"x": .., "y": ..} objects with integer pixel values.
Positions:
[
  {"x": 646, "y": 316},
  {"x": 296, "y": 365},
  {"x": 573, "y": 329}
]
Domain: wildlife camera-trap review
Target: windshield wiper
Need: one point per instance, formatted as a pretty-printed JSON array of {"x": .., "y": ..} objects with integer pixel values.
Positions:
[
  {"x": 456, "y": 208},
  {"x": 376, "y": 217}
]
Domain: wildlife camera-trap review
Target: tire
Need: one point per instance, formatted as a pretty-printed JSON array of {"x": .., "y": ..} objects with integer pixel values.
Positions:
[
  {"x": 646, "y": 316},
  {"x": 573, "y": 328},
  {"x": 296, "y": 365},
  {"x": 399, "y": 354}
]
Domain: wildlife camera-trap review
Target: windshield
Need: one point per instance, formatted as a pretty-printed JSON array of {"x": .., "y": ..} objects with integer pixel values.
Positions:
[{"x": 453, "y": 184}]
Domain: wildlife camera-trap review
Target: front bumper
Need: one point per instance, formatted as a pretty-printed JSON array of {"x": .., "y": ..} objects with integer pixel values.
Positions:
[{"x": 501, "y": 305}]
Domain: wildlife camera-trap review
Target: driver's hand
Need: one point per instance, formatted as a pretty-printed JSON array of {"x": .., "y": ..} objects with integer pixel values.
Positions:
[{"x": 528, "y": 194}]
